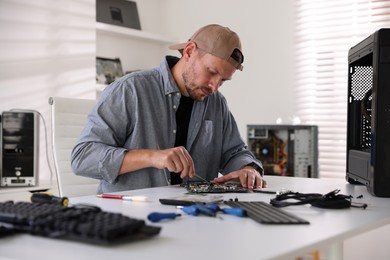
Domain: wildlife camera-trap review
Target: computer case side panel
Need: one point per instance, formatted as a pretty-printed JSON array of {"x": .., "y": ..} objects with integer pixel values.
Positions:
[
  {"x": 368, "y": 141},
  {"x": 360, "y": 82},
  {"x": 380, "y": 184}
]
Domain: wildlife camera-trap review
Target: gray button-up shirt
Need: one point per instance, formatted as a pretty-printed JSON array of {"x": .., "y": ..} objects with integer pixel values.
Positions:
[{"x": 138, "y": 112}]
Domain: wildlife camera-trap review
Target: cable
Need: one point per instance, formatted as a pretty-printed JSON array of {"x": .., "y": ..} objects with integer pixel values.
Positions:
[{"x": 330, "y": 200}]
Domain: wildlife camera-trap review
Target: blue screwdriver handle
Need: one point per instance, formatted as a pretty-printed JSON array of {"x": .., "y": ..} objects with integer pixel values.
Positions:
[
  {"x": 239, "y": 212},
  {"x": 214, "y": 207},
  {"x": 196, "y": 209},
  {"x": 157, "y": 216},
  {"x": 203, "y": 209},
  {"x": 190, "y": 210}
]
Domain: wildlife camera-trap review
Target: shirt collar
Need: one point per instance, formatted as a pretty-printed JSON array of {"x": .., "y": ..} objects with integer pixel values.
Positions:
[{"x": 169, "y": 82}]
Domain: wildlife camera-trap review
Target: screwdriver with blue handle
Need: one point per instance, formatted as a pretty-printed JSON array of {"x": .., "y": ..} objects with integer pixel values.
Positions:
[
  {"x": 196, "y": 209},
  {"x": 158, "y": 216},
  {"x": 238, "y": 212},
  {"x": 193, "y": 210},
  {"x": 211, "y": 210}
]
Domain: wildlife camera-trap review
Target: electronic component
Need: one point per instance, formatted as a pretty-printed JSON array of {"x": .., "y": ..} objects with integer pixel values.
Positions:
[
  {"x": 285, "y": 150},
  {"x": 191, "y": 199},
  {"x": 19, "y": 148},
  {"x": 368, "y": 118},
  {"x": 211, "y": 187}
]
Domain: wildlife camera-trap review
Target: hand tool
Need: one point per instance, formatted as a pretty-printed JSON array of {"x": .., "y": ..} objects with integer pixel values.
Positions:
[
  {"x": 158, "y": 216},
  {"x": 123, "y": 197},
  {"x": 197, "y": 209},
  {"x": 49, "y": 198},
  {"x": 239, "y": 212}
]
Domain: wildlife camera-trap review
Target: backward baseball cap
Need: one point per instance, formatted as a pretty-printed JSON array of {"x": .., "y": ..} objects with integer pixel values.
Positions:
[{"x": 219, "y": 41}]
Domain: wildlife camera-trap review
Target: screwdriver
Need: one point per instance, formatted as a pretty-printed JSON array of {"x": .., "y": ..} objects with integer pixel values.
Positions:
[
  {"x": 197, "y": 209},
  {"x": 239, "y": 212},
  {"x": 157, "y": 216},
  {"x": 43, "y": 197}
]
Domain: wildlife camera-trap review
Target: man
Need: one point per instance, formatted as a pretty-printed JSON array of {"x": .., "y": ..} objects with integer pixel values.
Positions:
[{"x": 155, "y": 127}]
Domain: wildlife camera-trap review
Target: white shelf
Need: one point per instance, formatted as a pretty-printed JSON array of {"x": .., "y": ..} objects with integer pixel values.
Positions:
[{"x": 114, "y": 30}]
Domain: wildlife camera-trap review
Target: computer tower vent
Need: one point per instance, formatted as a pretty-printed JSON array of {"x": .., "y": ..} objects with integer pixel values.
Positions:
[{"x": 361, "y": 81}]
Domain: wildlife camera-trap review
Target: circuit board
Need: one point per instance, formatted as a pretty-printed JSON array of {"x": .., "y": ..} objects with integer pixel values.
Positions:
[{"x": 211, "y": 187}]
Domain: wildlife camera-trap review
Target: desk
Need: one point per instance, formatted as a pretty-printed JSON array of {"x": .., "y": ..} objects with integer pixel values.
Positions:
[
  {"x": 24, "y": 193},
  {"x": 190, "y": 237}
]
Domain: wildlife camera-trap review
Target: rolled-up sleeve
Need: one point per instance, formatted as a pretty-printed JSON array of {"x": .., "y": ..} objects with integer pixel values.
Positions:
[{"x": 100, "y": 150}]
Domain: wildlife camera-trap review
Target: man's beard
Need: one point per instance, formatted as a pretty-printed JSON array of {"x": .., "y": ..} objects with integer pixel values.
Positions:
[
  {"x": 193, "y": 91},
  {"x": 188, "y": 77},
  {"x": 198, "y": 97}
]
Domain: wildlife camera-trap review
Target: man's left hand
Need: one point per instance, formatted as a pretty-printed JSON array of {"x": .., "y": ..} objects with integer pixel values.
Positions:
[{"x": 248, "y": 177}]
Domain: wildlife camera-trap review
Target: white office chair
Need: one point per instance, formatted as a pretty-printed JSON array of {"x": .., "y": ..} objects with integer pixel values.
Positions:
[{"x": 69, "y": 116}]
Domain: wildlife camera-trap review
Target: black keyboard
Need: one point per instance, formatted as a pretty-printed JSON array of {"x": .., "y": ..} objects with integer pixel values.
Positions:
[
  {"x": 265, "y": 213},
  {"x": 83, "y": 223}
]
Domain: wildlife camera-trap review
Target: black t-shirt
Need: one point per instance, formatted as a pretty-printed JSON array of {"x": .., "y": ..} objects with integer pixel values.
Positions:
[{"x": 183, "y": 116}]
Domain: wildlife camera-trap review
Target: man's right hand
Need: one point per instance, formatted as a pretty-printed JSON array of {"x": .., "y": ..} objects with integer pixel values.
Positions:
[{"x": 175, "y": 159}]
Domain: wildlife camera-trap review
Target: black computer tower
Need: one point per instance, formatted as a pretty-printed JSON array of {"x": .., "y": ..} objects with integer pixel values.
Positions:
[
  {"x": 19, "y": 134},
  {"x": 368, "y": 124}
]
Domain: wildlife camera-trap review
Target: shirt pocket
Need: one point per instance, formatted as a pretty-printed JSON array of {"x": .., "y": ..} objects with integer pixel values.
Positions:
[{"x": 206, "y": 133}]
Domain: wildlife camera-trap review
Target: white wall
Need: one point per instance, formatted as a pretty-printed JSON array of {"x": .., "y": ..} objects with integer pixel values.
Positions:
[
  {"x": 263, "y": 91},
  {"x": 47, "y": 48}
]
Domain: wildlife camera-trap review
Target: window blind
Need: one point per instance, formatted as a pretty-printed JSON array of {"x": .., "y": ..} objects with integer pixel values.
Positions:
[{"x": 324, "y": 33}]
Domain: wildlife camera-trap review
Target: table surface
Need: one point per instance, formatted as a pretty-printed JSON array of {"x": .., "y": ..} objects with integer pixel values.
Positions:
[{"x": 196, "y": 237}]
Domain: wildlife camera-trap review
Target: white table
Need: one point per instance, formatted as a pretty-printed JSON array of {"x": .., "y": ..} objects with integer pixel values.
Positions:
[{"x": 190, "y": 237}]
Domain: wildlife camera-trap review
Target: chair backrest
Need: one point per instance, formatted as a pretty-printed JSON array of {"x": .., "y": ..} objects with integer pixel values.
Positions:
[{"x": 69, "y": 116}]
